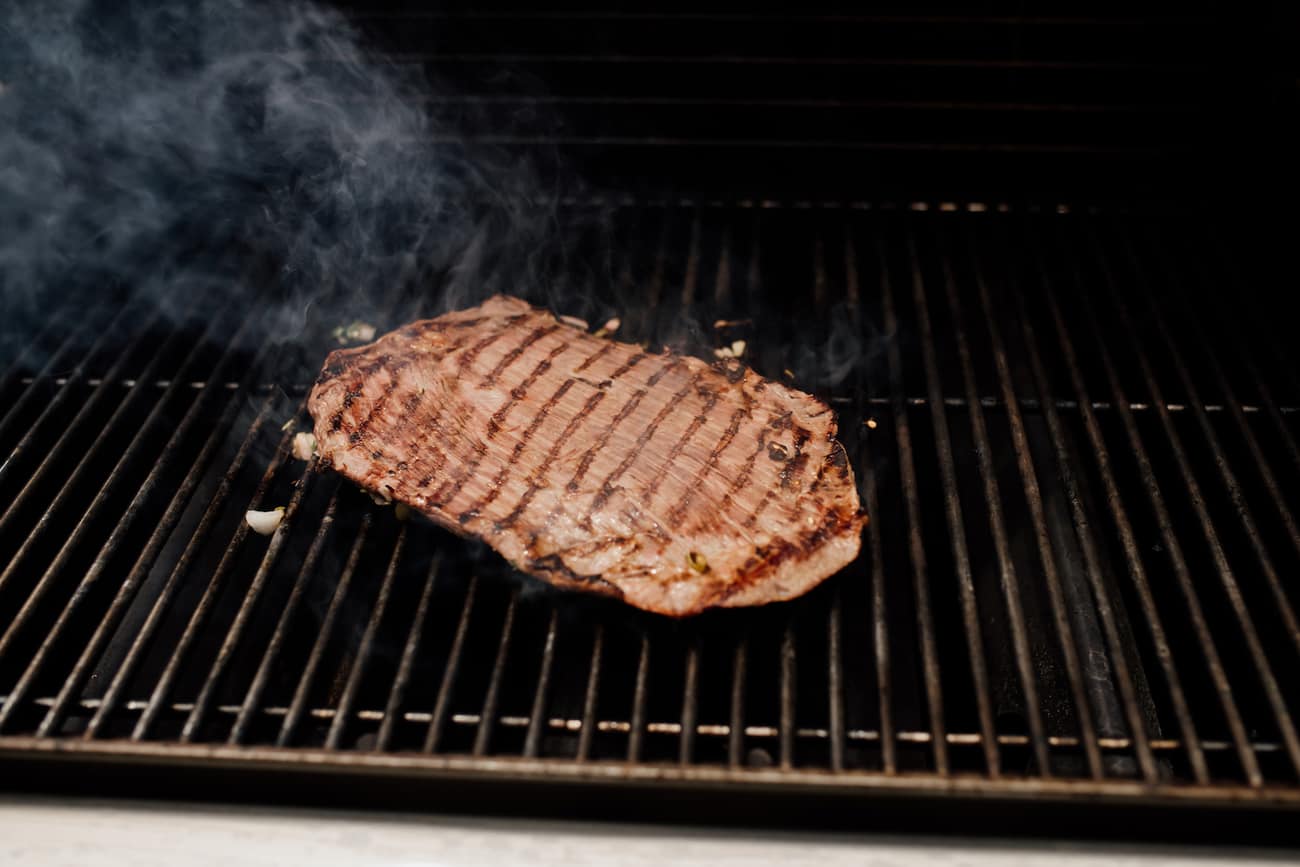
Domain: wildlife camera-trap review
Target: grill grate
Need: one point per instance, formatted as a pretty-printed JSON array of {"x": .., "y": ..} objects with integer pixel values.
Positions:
[{"x": 1075, "y": 433}]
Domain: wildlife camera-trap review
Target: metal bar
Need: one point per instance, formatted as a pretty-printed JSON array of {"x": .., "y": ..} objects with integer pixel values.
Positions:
[
  {"x": 1033, "y": 496},
  {"x": 1262, "y": 464},
  {"x": 691, "y": 278},
  {"x": 1260, "y": 383},
  {"x": 533, "y": 740},
  {"x": 916, "y": 544},
  {"x": 1083, "y": 527},
  {"x": 871, "y": 500},
  {"x": 1254, "y": 645},
  {"x": 722, "y": 283},
  {"x": 636, "y": 730},
  {"x": 272, "y": 653},
  {"x": 299, "y": 701},
  {"x": 236, "y": 631},
  {"x": 139, "y": 570},
  {"x": 201, "y": 532},
  {"x": 87, "y": 460},
  {"x": 65, "y": 394},
  {"x": 835, "y": 681},
  {"x": 409, "y": 650},
  {"x": 488, "y": 715},
  {"x": 956, "y": 524},
  {"x": 690, "y": 702},
  {"x": 57, "y": 360},
  {"x": 736, "y": 731},
  {"x": 1214, "y": 664},
  {"x": 210, "y": 593},
  {"x": 101, "y": 497},
  {"x": 1008, "y": 576},
  {"x": 438, "y": 718},
  {"x": 54, "y": 321},
  {"x": 334, "y": 738},
  {"x": 1128, "y": 539},
  {"x": 589, "y": 699},
  {"x": 787, "y": 687}
]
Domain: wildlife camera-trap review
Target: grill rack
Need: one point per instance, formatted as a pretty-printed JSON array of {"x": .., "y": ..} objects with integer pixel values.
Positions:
[{"x": 355, "y": 643}]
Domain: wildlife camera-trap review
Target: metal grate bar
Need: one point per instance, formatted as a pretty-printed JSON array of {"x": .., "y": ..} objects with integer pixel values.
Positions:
[
  {"x": 1034, "y": 498},
  {"x": 87, "y": 462},
  {"x": 1010, "y": 580},
  {"x": 592, "y": 691},
  {"x": 441, "y": 704},
  {"x": 483, "y": 737},
  {"x": 200, "y": 534},
  {"x": 35, "y": 428},
  {"x": 409, "y": 650},
  {"x": 736, "y": 730},
  {"x": 637, "y": 723},
  {"x": 835, "y": 682},
  {"x": 217, "y": 670},
  {"x": 1260, "y": 383},
  {"x": 787, "y": 686},
  {"x": 1239, "y": 500},
  {"x": 690, "y": 702},
  {"x": 532, "y": 741},
  {"x": 144, "y": 562},
  {"x": 871, "y": 501},
  {"x": 115, "y": 476},
  {"x": 916, "y": 544},
  {"x": 1118, "y": 657},
  {"x": 365, "y": 647},
  {"x": 306, "y": 572},
  {"x": 299, "y": 701},
  {"x": 1226, "y": 573},
  {"x": 57, "y": 361},
  {"x": 1114, "y": 499},
  {"x": 1213, "y": 660}
]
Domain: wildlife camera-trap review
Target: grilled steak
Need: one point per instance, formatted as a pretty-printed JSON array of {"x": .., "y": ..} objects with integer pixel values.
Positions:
[{"x": 670, "y": 483}]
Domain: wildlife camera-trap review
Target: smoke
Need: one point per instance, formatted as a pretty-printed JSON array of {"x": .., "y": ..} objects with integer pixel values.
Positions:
[{"x": 159, "y": 145}]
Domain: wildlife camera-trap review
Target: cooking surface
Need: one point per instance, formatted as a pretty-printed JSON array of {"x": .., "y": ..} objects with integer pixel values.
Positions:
[{"x": 1049, "y": 424}]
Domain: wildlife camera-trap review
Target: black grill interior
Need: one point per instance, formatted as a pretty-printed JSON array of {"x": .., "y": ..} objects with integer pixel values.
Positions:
[{"x": 993, "y": 241}]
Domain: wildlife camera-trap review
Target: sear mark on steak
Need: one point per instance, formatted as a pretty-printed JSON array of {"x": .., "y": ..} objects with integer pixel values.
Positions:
[{"x": 593, "y": 464}]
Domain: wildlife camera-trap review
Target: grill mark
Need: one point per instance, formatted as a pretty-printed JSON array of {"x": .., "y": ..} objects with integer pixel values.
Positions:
[
  {"x": 740, "y": 481},
  {"x": 495, "y": 490},
  {"x": 535, "y": 483},
  {"x": 732, "y": 429},
  {"x": 594, "y": 357},
  {"x": 626, "y": 410},
  {"x": 470, "y": 355},
  {"x": 606, "y": 487},
  {"x": 443, "y": 497},
  {"x": 804, "y": 543},
  {"x": 787, "y": 473},
  {"x": 513, "y": 355},
  {"x": 380, "y": 402},
  {"x": 520, "y": 391},
  {"x": 691, "y": 430},
  {"x": 629, "y": 364}
]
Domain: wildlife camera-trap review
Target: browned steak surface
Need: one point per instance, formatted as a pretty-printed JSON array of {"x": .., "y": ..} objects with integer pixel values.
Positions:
[{"x": 670, "y": 483}]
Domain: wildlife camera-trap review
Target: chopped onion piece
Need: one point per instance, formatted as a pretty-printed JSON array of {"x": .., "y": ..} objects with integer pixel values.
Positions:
[
  {"x": 264, "y": 523},
  {"x": 304, "y": 446},
  {"x": 609, "y": 327},
  {"x": 738, "y": 348},
  {"x": 355, "y": 332},
  {"x": 575, "y": 322}
]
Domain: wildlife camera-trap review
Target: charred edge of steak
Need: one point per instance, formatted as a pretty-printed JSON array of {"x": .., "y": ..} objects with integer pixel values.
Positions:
[
  {"x": 560, "y": 574},
  {"x": 767, "y": 559}
]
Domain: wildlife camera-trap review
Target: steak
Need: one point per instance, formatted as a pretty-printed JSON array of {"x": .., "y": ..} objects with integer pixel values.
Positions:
[{"x": 670, "y": 483}]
